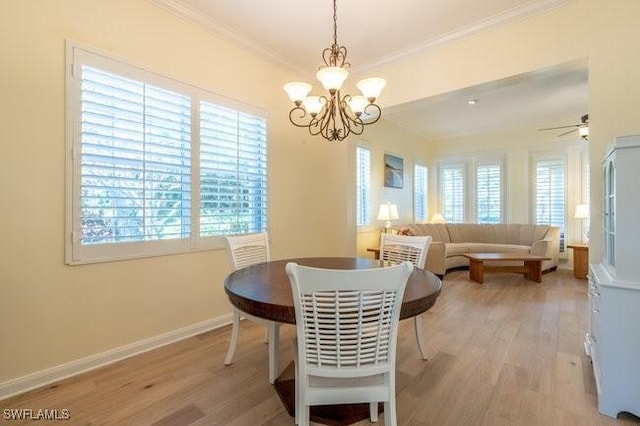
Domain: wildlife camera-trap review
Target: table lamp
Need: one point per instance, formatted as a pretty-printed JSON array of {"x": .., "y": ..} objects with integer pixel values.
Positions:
[
  {"x": 582, "y": 213},
  {"x": 437, "y": 218},
  {"x": 388, "y": 212}
]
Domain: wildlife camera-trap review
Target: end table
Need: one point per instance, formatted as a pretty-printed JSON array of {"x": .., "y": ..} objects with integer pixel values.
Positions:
[{"x": 580, "y": 260}]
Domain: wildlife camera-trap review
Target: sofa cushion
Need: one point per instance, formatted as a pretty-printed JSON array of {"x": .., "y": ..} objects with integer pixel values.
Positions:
[
  {"x": 456, "y": 249},
  {"x": 438, "y": 231},
  {"x": 512, "y": 233},
  {"x": 497, "y": 248}
]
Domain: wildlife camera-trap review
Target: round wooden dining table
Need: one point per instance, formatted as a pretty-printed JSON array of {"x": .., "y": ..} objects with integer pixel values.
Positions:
[{"x": 264, "y": 291}]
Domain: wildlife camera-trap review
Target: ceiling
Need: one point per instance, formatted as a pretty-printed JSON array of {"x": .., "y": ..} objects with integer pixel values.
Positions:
[{"x": 293, "y": 33}]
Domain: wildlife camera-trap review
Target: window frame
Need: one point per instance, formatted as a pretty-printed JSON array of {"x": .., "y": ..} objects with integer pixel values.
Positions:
[
  {"x": 77, "y": 253},
  {"x": 534, "y": 160},
  {"x": 461, "y": 165},
  {"x": 499, "y": 162},
  {"x": 424, "y": 193},
  {"x": 358, "y": 201}
]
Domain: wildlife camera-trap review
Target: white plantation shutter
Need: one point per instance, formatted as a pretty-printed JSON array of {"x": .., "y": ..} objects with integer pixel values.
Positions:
[
  {"x": 419, "y": 193},
  {"x": 154, "y": 165},
  {"x": 363, "y": 185},
  {"x": 452, "y": 182},
  {"x": 489, "y": 193},
  {"x": 233, "y": 172},
  {"x": 550, "y": 194},
  {"x": 135, "y": 160}
]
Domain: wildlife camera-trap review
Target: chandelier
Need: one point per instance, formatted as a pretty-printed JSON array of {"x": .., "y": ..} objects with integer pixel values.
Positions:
[{"x": 335, "y": 116}]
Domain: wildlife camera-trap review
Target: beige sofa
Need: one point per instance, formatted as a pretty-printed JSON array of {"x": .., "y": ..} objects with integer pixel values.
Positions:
[{"x": 451, "y": 241}]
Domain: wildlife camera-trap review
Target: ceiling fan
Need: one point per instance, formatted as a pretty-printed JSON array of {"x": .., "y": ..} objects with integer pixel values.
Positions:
[{"x": 582, "y": 128}]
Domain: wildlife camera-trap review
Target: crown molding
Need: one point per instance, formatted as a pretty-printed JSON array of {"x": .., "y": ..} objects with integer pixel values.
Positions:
[
  {"x": 495, "y": 21},
  {"x": 179, "y": 9}
]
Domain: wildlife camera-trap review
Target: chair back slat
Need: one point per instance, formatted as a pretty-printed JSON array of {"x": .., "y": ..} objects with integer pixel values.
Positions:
[
  {"x": 403, "y": 248},
  {"x": 247, "y": 250},
  {"x": 347, "y": 318}
]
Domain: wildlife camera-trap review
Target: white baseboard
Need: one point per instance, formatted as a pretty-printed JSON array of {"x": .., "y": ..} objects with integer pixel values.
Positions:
[{"x": 63, "y": 371}]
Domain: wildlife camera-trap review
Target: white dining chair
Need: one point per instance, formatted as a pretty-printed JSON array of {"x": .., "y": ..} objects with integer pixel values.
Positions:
[
  {"x": 243, "y": 251},
  {"x": 346, "y": 334},
  {"x": 400, "y": 248}
]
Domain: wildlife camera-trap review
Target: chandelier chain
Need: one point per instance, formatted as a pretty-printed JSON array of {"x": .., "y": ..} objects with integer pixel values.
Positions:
[{"x": 335, "y": 22}]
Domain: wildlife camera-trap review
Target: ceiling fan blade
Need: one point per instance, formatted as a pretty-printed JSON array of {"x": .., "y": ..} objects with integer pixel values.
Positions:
[
  {"x": 561, "y": 127},
  {"x": 566, "y": 133}
]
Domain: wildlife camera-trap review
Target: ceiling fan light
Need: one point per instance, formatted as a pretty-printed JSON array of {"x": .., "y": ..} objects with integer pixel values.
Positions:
[
  {"x": 297, "y": 91},
  {"x": 332, "y": 78},
  {"x": 583, "y": 132},
  {"x": 371, "y": 87}
]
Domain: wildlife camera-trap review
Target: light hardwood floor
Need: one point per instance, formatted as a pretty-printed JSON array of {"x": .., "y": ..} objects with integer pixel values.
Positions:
[{"x": 508, "y": 352}]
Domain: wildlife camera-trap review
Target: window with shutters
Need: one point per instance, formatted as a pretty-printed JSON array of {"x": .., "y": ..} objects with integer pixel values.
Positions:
[
  {"x": 489, "y": 193},
  {"x": 363, "y": 186},
  {"x": 156, "y": 166},
  {"x": 452, "y": 183},
  {"x": 549, "y": 194},
  {"x": 419, "y": 193}
]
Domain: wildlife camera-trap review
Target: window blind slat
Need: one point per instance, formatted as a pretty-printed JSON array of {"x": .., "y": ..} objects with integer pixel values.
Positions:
[
  {"x": 452, "y": 179},
  {"x": 363, "y": 186},
  {"x": 233, "y": 164},
  {"x": 135, "y": 157},
  {"x": 550, "y": 195},
  {"x": 489, "y": 193},
  {"x": 420, "y": 193}
]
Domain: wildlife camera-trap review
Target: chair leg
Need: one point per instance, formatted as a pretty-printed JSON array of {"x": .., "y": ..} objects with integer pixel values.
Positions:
[
  {"x": 273, "y": 332},
  {"x": 373, "y": 412},
  {"x": 235, "y": 331},
  {"x": 420, "y": 337},
  {"x": 390, "y": 413}
]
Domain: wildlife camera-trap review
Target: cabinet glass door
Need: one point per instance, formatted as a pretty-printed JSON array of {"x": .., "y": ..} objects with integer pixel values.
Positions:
[{"x": 609, "y": 213}]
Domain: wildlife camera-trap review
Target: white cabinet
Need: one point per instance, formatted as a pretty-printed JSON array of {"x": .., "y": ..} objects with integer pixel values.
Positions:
[{"x": 613, "y": 339}]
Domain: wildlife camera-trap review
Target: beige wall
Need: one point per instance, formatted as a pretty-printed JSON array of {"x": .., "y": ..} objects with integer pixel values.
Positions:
[{"x": 52, "y": 314}]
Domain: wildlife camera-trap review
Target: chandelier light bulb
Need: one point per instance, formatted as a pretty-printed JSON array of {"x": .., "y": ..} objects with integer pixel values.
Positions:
[
  {"x": 297, "y": 91},
  {"x": 371, "y": 87},
  {"x": 332, "y": 78},
  {"x": 313, "y": 104},
  {"x": 358, "y": 104}
]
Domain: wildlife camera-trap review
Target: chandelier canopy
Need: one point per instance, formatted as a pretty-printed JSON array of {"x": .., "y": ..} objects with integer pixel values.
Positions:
[{"x": 335, "y": 116}]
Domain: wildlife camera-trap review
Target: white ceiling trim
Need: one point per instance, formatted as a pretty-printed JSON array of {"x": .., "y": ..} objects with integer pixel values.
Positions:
[
  {"x": 496, "y": 21},
  {"x": 179, "y": 9}
]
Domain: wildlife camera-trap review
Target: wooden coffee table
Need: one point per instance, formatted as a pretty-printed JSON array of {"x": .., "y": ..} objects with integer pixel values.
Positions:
[{"x": 532, "y": 267}]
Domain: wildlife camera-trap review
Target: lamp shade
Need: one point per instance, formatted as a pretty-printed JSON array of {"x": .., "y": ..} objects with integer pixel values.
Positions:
[
  {"x": 332, "y": 77},
  {"x": 297, "y": 91},
  {"x": 582, "y": 211},
  {"x": 388, "y": 211},
  {"x": 313, "y": 104},
  {"x": 358, "y": 104},
  {"x": 371, "y": 87},
  {"x": 437, "y": 218}
]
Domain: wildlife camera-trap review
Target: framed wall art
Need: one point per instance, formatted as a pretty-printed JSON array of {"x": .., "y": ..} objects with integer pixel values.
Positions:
[{"x": 393, "y": 171}]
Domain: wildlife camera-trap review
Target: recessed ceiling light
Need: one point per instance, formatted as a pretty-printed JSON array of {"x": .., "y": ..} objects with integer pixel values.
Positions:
[{"x": 472, "y": 101}]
